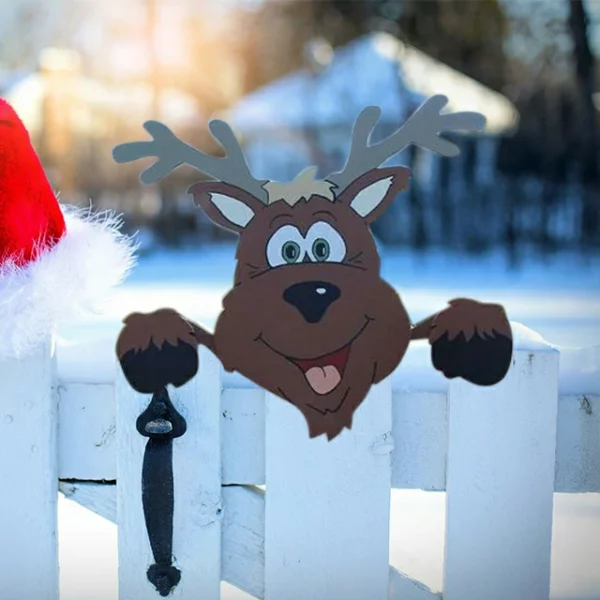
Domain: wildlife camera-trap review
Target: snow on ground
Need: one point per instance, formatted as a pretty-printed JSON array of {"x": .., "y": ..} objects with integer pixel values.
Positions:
[
  {"x": 559, "y": 299},
  {"x": 88, "y": 547}
]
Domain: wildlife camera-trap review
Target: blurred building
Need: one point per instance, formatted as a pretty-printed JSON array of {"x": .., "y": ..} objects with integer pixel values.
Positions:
[
  {"x": 306, "y": 118},
  {"x": 312, "y": 112},
  {"x": 58, "y": 90},
  {"x": 75, "y": 121}
]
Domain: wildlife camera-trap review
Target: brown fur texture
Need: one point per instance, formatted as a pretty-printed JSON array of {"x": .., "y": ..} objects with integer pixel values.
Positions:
[
  {"x": 157, "y": 350},
  {"x": 164, "y": 325},
  {"x": 469, "y": 339},
  {"x": 466, "y": 316},
  {"x": 470, "y": 317}
]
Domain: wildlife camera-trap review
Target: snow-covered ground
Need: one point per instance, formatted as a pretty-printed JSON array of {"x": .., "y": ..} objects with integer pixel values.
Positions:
[{"x": 559, "y": 299}]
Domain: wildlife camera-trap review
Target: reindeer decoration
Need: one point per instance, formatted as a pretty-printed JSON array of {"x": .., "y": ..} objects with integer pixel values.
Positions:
[{"x": 309, "y": 318}]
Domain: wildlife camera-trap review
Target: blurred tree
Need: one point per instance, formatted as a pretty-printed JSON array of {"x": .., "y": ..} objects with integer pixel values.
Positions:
[
  {"x": 588, "y": 138},
  {"x": 272, "y": 39}
]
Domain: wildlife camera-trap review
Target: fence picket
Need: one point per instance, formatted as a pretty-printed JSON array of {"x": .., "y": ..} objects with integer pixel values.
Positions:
[
  {"x": 29, "y": 478},
  {"x": 500, "y": 483},
  {"x": 135, "y": 555},
  {"x": 197, "y": 480},
  {"x": 327, "y": 504}
]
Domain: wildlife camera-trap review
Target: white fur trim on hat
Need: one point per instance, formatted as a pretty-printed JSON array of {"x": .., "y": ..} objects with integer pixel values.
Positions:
[{"x": 64, "y": 282}]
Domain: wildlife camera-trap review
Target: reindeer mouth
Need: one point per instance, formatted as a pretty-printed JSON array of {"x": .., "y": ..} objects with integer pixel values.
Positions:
[{"x": 324, "y": 373}]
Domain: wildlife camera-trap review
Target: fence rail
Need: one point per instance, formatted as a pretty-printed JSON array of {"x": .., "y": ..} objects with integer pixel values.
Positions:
[
  {"x": 420, "y": 433},
  {"x": 320, "y": 529}
]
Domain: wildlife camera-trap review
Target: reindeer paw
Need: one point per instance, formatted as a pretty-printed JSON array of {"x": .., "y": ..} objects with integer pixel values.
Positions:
[
  {"x": 472, "y": 340},
  {"x": 157, "y": 349}
]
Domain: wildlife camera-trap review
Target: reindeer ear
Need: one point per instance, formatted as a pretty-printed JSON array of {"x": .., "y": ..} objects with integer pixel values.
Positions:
[
  {"x": 226, "y": 205},
  {"x": 371, "y": 194}
]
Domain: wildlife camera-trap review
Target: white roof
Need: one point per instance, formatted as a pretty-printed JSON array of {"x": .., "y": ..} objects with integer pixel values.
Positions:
[{"x": 377, "y": 69}]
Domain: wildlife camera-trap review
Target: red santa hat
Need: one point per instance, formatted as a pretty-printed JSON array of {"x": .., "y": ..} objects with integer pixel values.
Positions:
[{"x": 55, "y": 261}]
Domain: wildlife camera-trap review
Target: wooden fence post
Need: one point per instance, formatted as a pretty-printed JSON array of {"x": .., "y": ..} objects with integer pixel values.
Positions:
[
  {"x": 500, "y": 482},
  {"x": 29, "y": 476},
  {"x": 328, "y": 503},
  {"x": 197, "y": 484}
]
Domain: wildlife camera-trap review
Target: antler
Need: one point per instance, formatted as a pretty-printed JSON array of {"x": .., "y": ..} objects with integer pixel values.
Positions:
[
  {"x": 173, "y": 152},
  {"x": 421, "y": 129}
]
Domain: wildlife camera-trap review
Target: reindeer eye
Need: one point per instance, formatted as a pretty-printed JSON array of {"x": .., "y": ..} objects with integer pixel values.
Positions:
[
  {"x": 326, "y": 243},
  {"x": 285, "y": 247},
  {"x": 321, "y": 250},
  {"x": 290, "y": 252}
]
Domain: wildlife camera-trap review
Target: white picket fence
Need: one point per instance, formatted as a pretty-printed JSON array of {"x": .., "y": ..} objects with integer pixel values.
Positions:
[{"x": 318, "y": 528}]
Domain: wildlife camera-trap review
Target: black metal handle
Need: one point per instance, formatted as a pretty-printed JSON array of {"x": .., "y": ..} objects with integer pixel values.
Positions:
[{"x": 161, "y": 423}]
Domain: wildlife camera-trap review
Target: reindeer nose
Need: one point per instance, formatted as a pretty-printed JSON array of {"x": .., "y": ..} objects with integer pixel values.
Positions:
[{"x": 312, "y": 298}]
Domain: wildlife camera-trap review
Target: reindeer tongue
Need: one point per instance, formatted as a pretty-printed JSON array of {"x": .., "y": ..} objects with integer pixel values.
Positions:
[
  {"x": 323, "y": 374},
  {"x": 323, "y": 379}
]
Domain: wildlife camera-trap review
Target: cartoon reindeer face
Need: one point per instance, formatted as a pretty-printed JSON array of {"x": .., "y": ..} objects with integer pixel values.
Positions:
[{"x": 309, "y": 317}]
